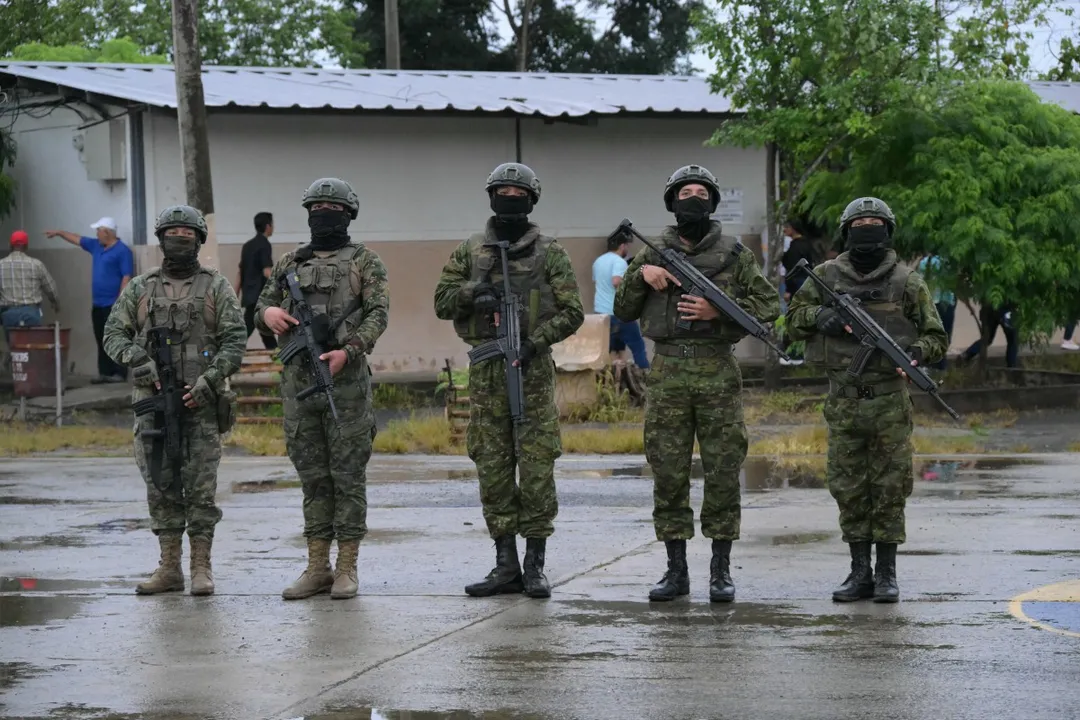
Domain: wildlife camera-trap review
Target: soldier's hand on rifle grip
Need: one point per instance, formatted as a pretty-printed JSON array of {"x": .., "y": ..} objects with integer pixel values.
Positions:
[
  {"x": 696, "y": 308},
  {"x": 916, "y": 354},
  {"x": 145, "y": 375},
  {"x": 830, "y": 323},
  {"x": 201, "y": 395},
  {"x": 658, "y": 277},
  {"x": 528, "y": 352},
  {"x": 336, "y": 358},
  {"x": 278, "y": 320}
]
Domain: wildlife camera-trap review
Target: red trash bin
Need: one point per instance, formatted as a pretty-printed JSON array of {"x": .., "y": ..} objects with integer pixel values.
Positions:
[{"x": 33, "y": 360}]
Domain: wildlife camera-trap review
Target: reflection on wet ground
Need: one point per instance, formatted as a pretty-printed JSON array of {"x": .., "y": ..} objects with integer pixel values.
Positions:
[
  {"x": 383, "y": 714},
  {"x": 24, "y": 610}
]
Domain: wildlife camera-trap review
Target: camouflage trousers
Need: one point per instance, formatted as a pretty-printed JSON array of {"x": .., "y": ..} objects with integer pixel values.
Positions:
[
  {"x": 331, "y": 456},
  {"x": 869, "y": 469},
  {"x": 702, "y": 398},
  {"x": 526, "y": 507},
  {"x": 190, "y": 505}
]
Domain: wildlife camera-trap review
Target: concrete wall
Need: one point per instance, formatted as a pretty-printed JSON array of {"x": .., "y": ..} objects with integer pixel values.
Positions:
[{"x": 55, "y": 194}]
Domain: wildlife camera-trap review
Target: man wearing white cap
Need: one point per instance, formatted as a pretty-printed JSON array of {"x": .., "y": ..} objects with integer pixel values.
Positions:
[{"x": 114, "y": 264}]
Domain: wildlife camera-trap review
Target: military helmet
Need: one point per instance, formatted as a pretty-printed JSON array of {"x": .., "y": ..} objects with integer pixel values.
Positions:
[
  {"x": 333, "y": 190},
  {"x": 180, "y": 216},
  {"x": 687, "y": 175},
  {"x": 515, "y": 175},
  {"x": 867, "y": 207}
]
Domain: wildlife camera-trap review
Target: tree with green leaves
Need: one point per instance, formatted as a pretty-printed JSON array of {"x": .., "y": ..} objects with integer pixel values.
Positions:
[
  {"x": 120, "y": 50},
  {"x": 231, "y": 32},
  {"x": 989, "y": 181}
]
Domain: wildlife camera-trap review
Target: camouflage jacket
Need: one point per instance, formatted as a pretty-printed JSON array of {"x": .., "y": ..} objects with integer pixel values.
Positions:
[
  {"x": 454, "y": 290},
  {"x": 917, "y": 306},
  {"x": 124, "y": 327},
  {"x": 367, "y": 280}
]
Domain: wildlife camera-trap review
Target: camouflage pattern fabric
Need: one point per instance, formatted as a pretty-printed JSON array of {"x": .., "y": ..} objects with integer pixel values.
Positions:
[
  {"x": 697, "y": 397},
  {"x": 688, "y": 397},
  {"x": 191, "y": 507},
  {"x": 528, "y": 507},
  {"x": 869, "y": 467},
  {"x": 331, "y": 457}
]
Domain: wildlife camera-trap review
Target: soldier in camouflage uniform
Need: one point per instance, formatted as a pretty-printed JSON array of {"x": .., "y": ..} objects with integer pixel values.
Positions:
[
  {"x": 207, "y": 338},
  {"x": 870, "y": 417},
  {"x": 467, "y": 294},
  {"x": 345, "y": 284},
  {"x": 695, "y": 385}
]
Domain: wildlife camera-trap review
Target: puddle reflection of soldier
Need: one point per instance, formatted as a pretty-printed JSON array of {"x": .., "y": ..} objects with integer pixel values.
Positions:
[
  {"x": 344, "y": 282},
  {"x": 695, "y": 383},
  {"x": 468, "y": 293},
  {"x": 206, "y": 339},
  {"x": 870, "y": 421}
]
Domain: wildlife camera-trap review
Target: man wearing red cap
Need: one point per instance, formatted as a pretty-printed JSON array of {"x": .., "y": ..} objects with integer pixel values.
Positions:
[{"x": 23, "y": 283}]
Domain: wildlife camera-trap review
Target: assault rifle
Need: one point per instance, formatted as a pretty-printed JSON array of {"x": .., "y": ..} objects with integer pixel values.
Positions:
[
  {"x": 167, "y": 407},
  {"x": 872, "y": 338},
  {"x": 304, "y": 340},
  {"x": 507, "y": 343},
  {"x": 694, "y": 282}
]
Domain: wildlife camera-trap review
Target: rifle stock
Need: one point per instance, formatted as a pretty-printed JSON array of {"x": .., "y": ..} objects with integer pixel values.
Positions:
[
  {"x": 693, "y": 282},
  {"x": 873, "y": 338}
]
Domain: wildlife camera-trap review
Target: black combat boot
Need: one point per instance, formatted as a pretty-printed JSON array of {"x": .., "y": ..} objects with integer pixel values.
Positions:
[
  {"x": 721, "y": 588},
  {"x": 506, "y": 576},
  {"x": 676, "y": 580},
  {"x": 536, "y": 583},
  {"x": 885, "y": 588},
  {"x": 859, "y": 585}
]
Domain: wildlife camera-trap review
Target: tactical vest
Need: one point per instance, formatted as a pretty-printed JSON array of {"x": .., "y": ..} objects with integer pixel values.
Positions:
[
  {"x": 882, "y": 297},
  {"x": 528, "y": 279},
  {"x": 326, "y": 286},
  {"x": 660, "y": 314},
  {"x": 192, "y": 323}
]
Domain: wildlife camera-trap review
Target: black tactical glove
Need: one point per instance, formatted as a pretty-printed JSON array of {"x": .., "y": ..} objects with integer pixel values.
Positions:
[
  {"x": 484, "y": 297},
  {"x": 528, "y": 352},
  {"x": 830, "y": 323},
  {"x": 916, "y": 354}
]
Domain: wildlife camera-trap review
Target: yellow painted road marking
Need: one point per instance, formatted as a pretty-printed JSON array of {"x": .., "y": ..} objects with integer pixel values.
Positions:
[{"x": 1068, "y": 591}]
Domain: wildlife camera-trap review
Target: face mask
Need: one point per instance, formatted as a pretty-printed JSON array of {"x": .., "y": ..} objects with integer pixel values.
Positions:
[
  {"x": 692, "y": 218},
  {"x": 867, "y": 238},
  {"x": 326, "y": 223},
  {"x": 511, "y": 207},
  {"x": 181, "y": 255}
]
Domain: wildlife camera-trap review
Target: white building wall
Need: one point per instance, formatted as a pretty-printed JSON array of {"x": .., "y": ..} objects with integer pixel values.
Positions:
[
  {"x": 54, "y": 194},
  {"x": 422, "y": 178}
]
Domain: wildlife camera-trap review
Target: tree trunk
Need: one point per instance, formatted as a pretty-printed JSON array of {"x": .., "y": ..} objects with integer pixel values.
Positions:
[
  {"x": 523, "y": 37},
  {"x": 393, "y": 35},
  {"x": 191, "y": 117},
  {"x": 772, "y": 261}
]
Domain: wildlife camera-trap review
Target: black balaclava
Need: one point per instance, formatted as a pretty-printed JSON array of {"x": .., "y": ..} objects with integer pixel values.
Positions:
[
  {"x": 181, "y": 255},
  {"x": 692, "y": 218},
  {"x": 867, "y": 246},
  {"x": 329, "y": 228},
  {"x": 511, "y": 215}
]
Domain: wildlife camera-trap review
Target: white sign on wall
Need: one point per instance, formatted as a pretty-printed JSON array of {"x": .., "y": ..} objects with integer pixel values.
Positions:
[{"x": 730, "y": 209}]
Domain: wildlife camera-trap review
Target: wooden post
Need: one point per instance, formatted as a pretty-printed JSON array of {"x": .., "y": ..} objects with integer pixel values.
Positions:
[
  {"x": 393, "y": 36},
  {"x": 191, "y": 117}
]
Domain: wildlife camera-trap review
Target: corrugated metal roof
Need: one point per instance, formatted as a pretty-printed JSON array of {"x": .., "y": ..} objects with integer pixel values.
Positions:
[
  {"x": 548, "y": 95},
  {"x": 1065, "y": 94}
]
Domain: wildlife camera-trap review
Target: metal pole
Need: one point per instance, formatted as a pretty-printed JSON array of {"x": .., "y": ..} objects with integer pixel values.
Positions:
[
  {"x": 393, "y": 35},
  {"x": 59, "y": 378}
]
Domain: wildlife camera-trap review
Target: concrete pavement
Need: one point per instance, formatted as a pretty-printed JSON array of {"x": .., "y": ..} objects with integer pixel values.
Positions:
[{"x": 75, "y": 642}]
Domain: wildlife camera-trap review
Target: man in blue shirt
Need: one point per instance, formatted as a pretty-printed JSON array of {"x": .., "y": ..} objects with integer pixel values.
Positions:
[
  {"x": 607, "y": 272},
  {"x": 114, "y": 265}
]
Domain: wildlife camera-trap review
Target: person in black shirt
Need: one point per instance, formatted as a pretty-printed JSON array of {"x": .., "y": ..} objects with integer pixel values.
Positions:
[
  {"x": 801, "y": 248},
  {"x": 256, "y": 262}
]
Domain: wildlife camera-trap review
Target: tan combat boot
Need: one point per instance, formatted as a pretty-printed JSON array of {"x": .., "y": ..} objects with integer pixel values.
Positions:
[
  {"x": 202, "y": 576},
  {"x": 317, "y": 578},
  {"x": 169, "y": 575},
  {"x": 345, "y": 582}
]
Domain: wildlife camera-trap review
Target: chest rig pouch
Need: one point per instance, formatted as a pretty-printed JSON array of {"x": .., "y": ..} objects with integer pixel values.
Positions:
[
  {"x": 181, "y": 307},
  {"x": 661, "y": 319},
  {"x": 327, "y": 289}
]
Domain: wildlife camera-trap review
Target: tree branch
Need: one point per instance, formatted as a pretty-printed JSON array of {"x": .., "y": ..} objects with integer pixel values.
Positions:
[
  {"x": 514, "y": 27},
  {"x": 796, "y": 189}
]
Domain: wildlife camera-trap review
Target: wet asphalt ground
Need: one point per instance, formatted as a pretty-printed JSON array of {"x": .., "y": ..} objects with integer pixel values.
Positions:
[{"x": 978, "y": 634}]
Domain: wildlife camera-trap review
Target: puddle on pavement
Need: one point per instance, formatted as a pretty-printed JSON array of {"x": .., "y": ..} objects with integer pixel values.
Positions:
[
  {"x": 259, "y": 486},
  {"x": 27, "y": 610},
  {"x": 757, "y": 474},
  {"x": 383, "y": 714},
  {"x": 802, "y": 538},
  {"x": 45, "y": 541},
  {"x": 675, "y": 616},
  {"x": 389, "y": 535},
  {"x": 30, "y": 584},
  {"x": 1046, "y": 553},
  {"x": 15, "y": 672}
]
